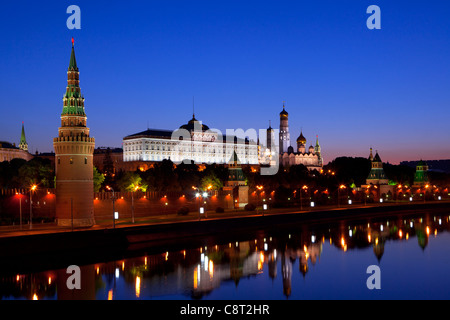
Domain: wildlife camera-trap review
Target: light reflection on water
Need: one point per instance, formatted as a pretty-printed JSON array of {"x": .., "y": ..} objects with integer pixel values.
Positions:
[{"x": 300, "y": 262}]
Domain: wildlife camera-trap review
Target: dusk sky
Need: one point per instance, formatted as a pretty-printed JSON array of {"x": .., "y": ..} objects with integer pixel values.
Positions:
[{"x": 141, "y": 62}]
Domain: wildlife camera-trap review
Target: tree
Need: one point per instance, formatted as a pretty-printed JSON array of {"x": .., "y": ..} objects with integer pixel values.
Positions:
[
  {"x": 36, "y": 171},
  {"x": 211, "y": 182},
  {"x": 131, "y": 181},
  {"x": 98, "y": 180}
]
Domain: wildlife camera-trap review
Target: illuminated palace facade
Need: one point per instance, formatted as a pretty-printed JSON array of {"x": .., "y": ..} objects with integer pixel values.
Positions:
[{"x": 193, "y": 141}]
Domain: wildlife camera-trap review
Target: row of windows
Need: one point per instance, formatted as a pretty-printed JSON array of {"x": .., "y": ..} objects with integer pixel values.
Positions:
[{"x": 71, "y": 160}]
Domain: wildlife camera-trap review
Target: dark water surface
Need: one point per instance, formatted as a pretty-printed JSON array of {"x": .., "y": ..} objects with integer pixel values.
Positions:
[{"x": 304, "y": 261}]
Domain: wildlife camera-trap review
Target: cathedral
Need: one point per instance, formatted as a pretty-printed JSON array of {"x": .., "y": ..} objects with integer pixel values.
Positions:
[{"x": 288, "y": 156}]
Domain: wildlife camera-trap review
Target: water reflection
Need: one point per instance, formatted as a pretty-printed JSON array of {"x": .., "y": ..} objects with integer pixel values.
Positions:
[{"x": 195, "y": 273}]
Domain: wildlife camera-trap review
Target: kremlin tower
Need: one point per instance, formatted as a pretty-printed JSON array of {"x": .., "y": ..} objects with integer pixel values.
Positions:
[{"x": 74, "y": 149}]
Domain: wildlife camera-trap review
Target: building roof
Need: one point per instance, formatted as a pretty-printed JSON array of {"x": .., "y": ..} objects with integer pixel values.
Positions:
[
  {"x": 301, "y": 138},
  {"x": 23, "y": 140},
  {"x": 194, "y": 124},
  {"x": 377, "y": 158},
  {"x": 156, "y": 133},
  {"x": 7, "y": 145},
  {"x": 73, "y": 61},
  {"x": 284, "y": 113}
]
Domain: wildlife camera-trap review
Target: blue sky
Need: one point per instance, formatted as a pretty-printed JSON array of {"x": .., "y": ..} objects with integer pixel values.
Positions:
[{"x": 141, "y": 62}]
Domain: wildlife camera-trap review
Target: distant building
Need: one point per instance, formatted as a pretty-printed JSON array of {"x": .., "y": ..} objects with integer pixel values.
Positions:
[
  {"x": 9, "y": 151},
  {"x": 109, "y": 159},
  {"x": 23, "y": 145},
  {"x": 421, "y": 175},
  {"x": 376, "y": 175},
  {"x": 311, "y": 158},
  {"x": 377, "y": 183},
  {"x": 193, "y": 141}
]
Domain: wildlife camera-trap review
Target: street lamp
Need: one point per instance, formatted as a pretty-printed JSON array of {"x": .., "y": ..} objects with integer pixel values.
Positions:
[
  {"x": 20, "y": 209},
  {"x": 33, "y": 187},
  {"x": 339, "y": 194},
  {"x": 305, "y": 187},
  {"x": 136, "y": 188},
  {"x": 114, "y": 212}
]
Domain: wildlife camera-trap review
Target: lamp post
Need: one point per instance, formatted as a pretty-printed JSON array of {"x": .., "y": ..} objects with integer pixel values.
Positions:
[
  {"x": 20, "y": 209},
  {"x": 425, "y": 193},
  {"x": 113, "y": 198},
  {"x": 136, "y": 188},
  {"x": 202, "y": 195},
  {"x": 33, "y": 187},
  {"x": 339, "y": 194},
  {"x": 305, "y": 188}
]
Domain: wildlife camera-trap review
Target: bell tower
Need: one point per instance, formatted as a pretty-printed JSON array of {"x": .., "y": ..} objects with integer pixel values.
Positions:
[
  {"x": 74, "y": 150},
  {"x": 285, "y": 138}
]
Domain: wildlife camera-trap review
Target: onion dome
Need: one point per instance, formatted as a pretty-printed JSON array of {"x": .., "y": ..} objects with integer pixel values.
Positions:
[{"x": 301, "y": 139}]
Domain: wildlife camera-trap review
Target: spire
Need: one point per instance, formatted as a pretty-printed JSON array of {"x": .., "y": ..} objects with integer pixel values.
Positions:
[
  {"x": 73, "y": 61},
  {"x": 73, "y": 100},
  {"x": 371, "y": 155},
  {"x": 193, "y": 108},
  {"x": 23, "y": 145},
  {"x": 283, "y": 114},
  {"x": 317, "y": 147}
]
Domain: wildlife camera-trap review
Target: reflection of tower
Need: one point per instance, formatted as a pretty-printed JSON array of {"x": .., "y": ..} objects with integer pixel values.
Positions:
[
  {"x": 378, "y": 249},
  {"x": 87, "y": 284},
  {"x": 285, "y": 140},
  {"x": 272, "y": 265},
  {"x": 422, "y": 238},
  {"x": 74, "y": 150},
  {"x": 286, "y": 270},
  {"x": 23, "y": 145}
]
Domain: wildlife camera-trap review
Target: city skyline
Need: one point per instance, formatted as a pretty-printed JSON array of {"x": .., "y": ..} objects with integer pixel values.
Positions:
[{"x": 350, "y": 87}]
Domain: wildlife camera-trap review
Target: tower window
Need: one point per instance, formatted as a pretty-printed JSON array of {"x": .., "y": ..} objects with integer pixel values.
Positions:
[
  {"x": 85, "y": 160},
  {"x": 71, "y": 160},
  {"x": 59, "y": 160}
]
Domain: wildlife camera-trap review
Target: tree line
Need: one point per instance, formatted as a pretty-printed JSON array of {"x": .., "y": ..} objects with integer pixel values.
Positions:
[{"x": 164, "y": 176}]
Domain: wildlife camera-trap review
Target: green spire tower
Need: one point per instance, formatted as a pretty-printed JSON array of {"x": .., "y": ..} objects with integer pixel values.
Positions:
[
  {"x": 421, "y": 175},
  {"x": 317, "y": 150},
  {"x": 74, "y": 153},
  {"x": 73, "y": 99},
  {"x": 23, "y": 145}
]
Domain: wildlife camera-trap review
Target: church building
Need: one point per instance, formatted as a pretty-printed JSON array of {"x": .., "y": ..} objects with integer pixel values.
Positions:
[{"x": 311, "y": 158}]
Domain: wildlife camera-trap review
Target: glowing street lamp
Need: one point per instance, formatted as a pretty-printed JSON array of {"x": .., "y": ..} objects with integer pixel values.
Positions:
[
  {"x": 20, "y": 209},
  {"x": 114, "y": 211},
  {"x": 339, "y": 193},
  {"x": 33, "y": 188},
  {"x": 136, "y": 188}
]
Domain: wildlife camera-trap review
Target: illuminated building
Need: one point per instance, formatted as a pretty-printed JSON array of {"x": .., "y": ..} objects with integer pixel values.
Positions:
[
  {"x": 311, "y": 158},
  {"x": 193, "y": 141},
  {"x": 74, "y": 149},
  {"x": 377, "y": 178},
  {"x": 421, "y": 175},
  {"x": 9, "y": 151}
]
